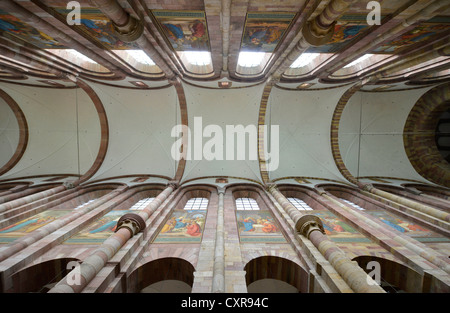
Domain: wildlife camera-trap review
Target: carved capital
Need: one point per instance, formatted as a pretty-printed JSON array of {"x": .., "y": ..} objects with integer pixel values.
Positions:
[
  {"x": 221, "y": 190},
  {"x": 271, "y": 187},
  {"x": 320, "y": 190},
  {"x": 173, "y": 184},
  {"x": 314, "y": 38},
  {"x": 414, "y": 191},
  {"x": 131, "y": 31},
  {"x": 131, "y": 221},
  {"x": 365, "y": 186},
  {"x": 308, "y": 223}
]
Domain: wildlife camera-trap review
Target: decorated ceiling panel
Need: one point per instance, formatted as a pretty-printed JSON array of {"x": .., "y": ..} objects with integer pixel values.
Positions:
[
  {"x": 13, "y": 27},
  {"x": 184, "y": 30},
  {"x": 263, "y": 31},
  {"x": 98, "y": 27}
]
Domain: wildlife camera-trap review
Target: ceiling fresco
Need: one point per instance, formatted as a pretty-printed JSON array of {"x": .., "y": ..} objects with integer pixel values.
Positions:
[
  {"x": 13, "y": 27},
  {"x": 264, "y": 31},
  {"x": 99, "y": 28},
  {"x": 184, "y": 30}
]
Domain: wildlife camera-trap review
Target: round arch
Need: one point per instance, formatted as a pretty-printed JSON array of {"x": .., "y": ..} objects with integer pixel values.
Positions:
[
  {"x": 275, "y": 268},
  {"x": 394, "y": 277},
  {"x": 41, "y": 277},
  {"x": 164, "y": 269}
]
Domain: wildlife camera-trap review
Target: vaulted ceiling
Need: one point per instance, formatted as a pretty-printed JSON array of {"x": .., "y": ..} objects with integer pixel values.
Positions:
[{"x": 98, "y": 96}]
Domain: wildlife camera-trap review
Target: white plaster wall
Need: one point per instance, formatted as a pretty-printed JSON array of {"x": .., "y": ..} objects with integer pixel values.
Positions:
[
  {"x": 304, "y": 117},
  {"x": 223, "y": 107},
  {"x": 140, "y": 124},
  {"x": 380, "y": 118},
  {"x": 60, "y": 142}
]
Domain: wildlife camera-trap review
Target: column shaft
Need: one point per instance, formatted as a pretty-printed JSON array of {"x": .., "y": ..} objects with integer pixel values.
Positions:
[
  {"x": 78, "y": 278},
  {"x": 218, "y": 283},
  {"x": 308, "y": 226}
]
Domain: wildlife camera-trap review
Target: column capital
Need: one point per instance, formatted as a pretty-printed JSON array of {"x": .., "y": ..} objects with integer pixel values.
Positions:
[
  {"x": 131, "y": 221},
  {"x": 221, "y": 190},
  {"x": 131, "y": 31},
  {"x": 174, "y": 184},
  {"x": 271, "y": 187},
  {"x": 365, "y": 186},
  {"x": 313, "y": 37},
  {"x": 308, "y": 223},
  {"x": 320, "y": 191}
]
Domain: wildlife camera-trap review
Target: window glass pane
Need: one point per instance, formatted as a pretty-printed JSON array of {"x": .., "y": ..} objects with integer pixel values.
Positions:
[
  {"x": 246, "y": 204},
  {"x": 196, "y": 204},
  {"x": 353, "y": 204},
  {"x": 299, "y": 204},
  {"x": 84, "y": 204},
  {"x": 141, "y": 204}
]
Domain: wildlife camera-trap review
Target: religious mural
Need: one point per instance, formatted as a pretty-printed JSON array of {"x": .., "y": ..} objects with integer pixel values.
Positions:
[
  {"x": 183, "y": 226},
  {"x": 258, "y": 226},
  {"x": 26, "y": 226},
  {"x": 184, "y": 30},
  {"x": 418, "y": 34},
  {"x": 264, "y": 31},
  {"x": 409, "y": 228},
  {"x": 338, "y": 230},
  {"x": 100, "y": 230},
  {"x": 98, "y": 27},
  {"x": 11, "y": 25},
  {"x": 348, "y": 27}
]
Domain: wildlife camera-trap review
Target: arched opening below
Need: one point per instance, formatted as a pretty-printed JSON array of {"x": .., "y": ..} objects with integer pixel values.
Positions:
[
  {"x": 269, "y": 285},
  {"x": 168, "y": 286},
  {"x": 392, "y": 276},
  {"x": 40, "y": 278},
  {"x": 168, "y": 275},
  {"x": 268, "y": 273}
]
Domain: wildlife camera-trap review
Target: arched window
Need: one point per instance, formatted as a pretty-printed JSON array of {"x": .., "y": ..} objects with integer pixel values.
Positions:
[
  {"x": 196, "y": 204},
  {"x": 353, "y": 204},
  {"x": 299, "y": 204},
  {"x": 246, "y": 204},
  {"x": 141, "y": 204},
  {"x": 84, "y": 204}
]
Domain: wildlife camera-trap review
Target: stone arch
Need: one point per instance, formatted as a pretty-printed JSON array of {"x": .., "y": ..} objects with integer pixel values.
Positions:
[
  {"x": 419, "y": 135},
  {"x": 250, "y": 191},
  {"x": 193, "y": 191},
  {"x": 411, "y": 194},
  {"x": 304, "y": 193},
  {"x": 395, "y": 277},
  {"x": 23, "y": 132},
  {"x": 41, "y": 277},
  {"x": 435, "y": 191},
  {"x": 352, "y": 194},
  {"x": 276, "y": 268},
  {"x": 163, "y": 269}
]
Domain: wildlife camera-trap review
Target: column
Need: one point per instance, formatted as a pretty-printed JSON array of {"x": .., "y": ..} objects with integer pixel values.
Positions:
[
  {"x": 128, "y": 225},
  {"x": 444, "y": 216},
  {"x": 218, "y": 283},
  {"x": 311, "y": 227}
]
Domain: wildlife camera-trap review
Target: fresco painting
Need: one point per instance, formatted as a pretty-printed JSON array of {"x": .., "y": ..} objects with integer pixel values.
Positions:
[
  {"x": 98, "y": 231},
  {"x": 13, "y": 26},
  {"x": 418, "y": 34},
  {"x": 184, "y": 30},
  {"x": 408, "y": 228},
  {"x": 258, "y": 226},
  {"x": 264, "y": 31},
  {"x": 98, "y": 27},
  {"x": 26, "y": 226},
  {"x": 338, "y": 230},
  {"x": 183, "y": 226},
  {"x": 342, "y": 35}
]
